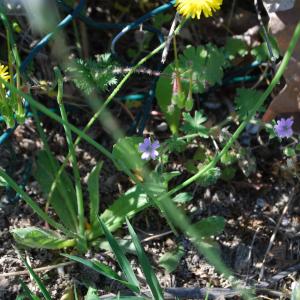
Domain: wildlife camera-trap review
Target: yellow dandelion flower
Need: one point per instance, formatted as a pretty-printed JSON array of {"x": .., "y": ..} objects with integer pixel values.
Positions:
[
  {"x": 194, "y": 8},
  {"x": 3, "y": 73}
]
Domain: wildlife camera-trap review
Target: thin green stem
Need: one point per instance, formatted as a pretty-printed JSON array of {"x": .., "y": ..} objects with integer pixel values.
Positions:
[
  {"x": 240, "y": 129},
  {"x": 107, "y": 102},
  {"x": 40, "y": 130},
  {"x": 73, "y": 159}
]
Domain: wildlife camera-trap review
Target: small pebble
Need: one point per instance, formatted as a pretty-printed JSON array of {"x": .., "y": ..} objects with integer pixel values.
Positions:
[
  {"x": 285, "y": 221},
  {"x": 162, "y": 127},
  {"x": 260, "y": 203}
]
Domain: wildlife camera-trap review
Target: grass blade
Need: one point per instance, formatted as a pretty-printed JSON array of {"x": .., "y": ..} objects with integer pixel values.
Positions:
[
  {"x": 146, "y": 266},
  {"x": 121, "y": 258},
  {"x": 27, "y": 294},
  {"x": 93, "y": 189},
  {"x": 100, "y": 268},
  {"x": 36, "y": 278}
]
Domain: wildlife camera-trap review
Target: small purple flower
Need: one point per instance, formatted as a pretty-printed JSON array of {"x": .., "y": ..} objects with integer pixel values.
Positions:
[
  {"x": 283, "y": 127},
  {"x": 149, "y": 149}
]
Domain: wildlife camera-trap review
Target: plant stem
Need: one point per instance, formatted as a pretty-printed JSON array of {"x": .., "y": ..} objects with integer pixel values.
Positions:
[
  {"x": 240, "y": 129},
  {"x": 107, "y": 102},
  {"x": 73, "y": 159}
]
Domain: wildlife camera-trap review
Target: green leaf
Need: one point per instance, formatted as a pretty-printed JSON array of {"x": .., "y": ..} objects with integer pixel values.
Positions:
[
  {"x": 206, "y": 63},
  {"x": 228, "y": 173},
  {"x": 92, "y": 294},
  {"x": 210, "y": 177},
  {"x": 94, "y": 197},
  {"x": 121, "y": 258},
  {"x": 167, "y": 177},
  {"x": 245, "y": 100},
  {"x": 164, "y": 96},
  {"x": 100, "y": 268},
  {"x": 125, "y": 151},
  {"x": 210, "y": 226},
  {"x": 94, "y": 74},
  {"x": 289, "y": 152},
  {"x": 194, "y": 124},
  {"x": 35, "y": 237},
  {"x": 146, "y": 266},
  {"x": 63, "y": 197},
  {"x": 183, "y": 198},
  {"x": 27, "y": 294},
  {"x": 234, "y": 47},
  {"x": 228, "y": 158},
  {"x": 125, "y": 244},
  {"x": 170, "y": 260},
  {"x": 36, "y": 278},
  {"x": 176, "y": 145},
  {"x": 126, "y": 206},
  {"x": 262, "y": 53}
]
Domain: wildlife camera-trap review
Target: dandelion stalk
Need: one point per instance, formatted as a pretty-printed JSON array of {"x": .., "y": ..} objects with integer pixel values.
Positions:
[{"x": 73, "y": 159}]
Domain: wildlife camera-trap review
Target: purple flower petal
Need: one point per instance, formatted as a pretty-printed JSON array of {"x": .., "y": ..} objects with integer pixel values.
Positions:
[
  {"x": 155, "y": 145},
  {"x": 289, "y": 122},
  {"x": 146, "y": 155},
  {"x": 283, "y": 128},
  {"x": 148, "y": 149},
  {"x": 154, "y": 154}
]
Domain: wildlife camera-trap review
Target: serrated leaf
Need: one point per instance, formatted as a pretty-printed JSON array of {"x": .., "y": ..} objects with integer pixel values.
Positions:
[
  {"x": 206, "y": 63},
  {"x": 176, "y": 145},
  {"x": 194, "y": 124},
  {"x": 210, "y": 177},
  {"x": 234, "y": 47},
  {"x": 262, "y": 53},
  {"x": 170, "y": 260},
  {"x": 228, "y": 158},
  {"x": 93, "y": 74},
  {"x": 245, "y": 100},
  {"x": 228, "y": 173},
  {"x": 39, "y": 238}
]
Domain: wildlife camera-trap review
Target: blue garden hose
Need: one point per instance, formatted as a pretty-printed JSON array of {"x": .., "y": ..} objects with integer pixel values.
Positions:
[
  {"x": 143, "y": 116},
  {"x": 140, "y": 21},
  {"x": 107, "y": 26},
  {"x": 44, "y": 41}
]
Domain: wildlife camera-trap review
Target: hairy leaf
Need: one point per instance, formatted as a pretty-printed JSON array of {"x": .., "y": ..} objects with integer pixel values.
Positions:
[
  {"x": 94, "y": 74},
  {"x": 245, "y": 101},
  {"x": 194, "y": 124}
]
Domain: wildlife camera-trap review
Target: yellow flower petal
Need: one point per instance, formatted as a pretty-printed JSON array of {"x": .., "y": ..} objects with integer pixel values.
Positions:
[
  {"x": 4, "y": 74},
  {"x": 194, "y": 8}
]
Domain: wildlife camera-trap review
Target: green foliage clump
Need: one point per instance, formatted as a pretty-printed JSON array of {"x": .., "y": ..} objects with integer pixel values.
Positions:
[{"x": 94, "y": 74}]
